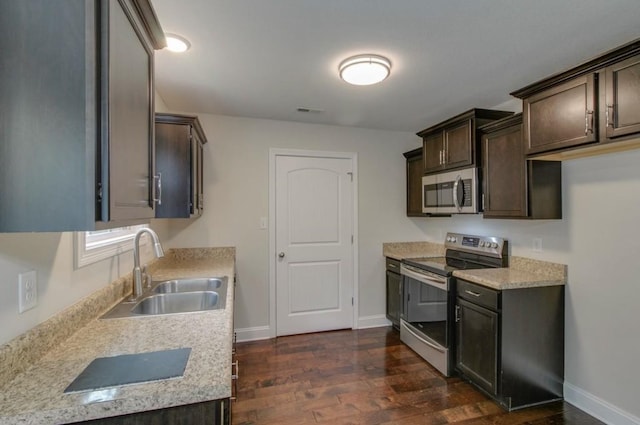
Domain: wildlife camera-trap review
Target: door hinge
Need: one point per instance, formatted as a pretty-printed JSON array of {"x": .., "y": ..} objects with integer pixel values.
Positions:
[
  {"x": 352, "y": 301},
  {"x": 351, "y": 239},
  {"x": 350, "y": 175}
]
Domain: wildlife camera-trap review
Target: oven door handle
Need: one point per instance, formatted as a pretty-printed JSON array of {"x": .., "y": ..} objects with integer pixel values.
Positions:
[
  {"x": 424, "y": 278},
  {"x": 456, "y": 185},
  {"x": 421, "y": 339}
]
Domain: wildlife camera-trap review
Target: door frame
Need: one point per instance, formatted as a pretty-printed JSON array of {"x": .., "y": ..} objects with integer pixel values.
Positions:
[{"x": 273, "y": 154}]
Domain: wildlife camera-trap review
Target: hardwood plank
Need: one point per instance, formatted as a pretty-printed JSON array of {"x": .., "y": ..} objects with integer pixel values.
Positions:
[{"x": 365, "y": 377}]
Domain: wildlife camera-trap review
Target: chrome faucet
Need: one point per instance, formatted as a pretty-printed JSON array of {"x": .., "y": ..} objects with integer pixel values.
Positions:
[{"x": 138, "y": 273}]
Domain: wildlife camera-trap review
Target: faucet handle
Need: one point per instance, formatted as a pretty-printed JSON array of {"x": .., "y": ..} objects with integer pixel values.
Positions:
[{"x": 146, "y": 277}]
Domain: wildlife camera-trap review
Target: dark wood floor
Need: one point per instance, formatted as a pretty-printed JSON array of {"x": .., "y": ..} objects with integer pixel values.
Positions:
[{"x": 364, "y": 377}]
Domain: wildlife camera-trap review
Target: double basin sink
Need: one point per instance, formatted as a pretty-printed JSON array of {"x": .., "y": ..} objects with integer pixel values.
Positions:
[{"x": 175, "y": 296}]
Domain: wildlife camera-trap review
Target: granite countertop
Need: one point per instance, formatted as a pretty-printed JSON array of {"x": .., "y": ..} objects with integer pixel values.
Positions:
[
  {"x": 402, "y": 250},
  {"x": 521, "y": 273},
  {"x": 36, "y": 396}
]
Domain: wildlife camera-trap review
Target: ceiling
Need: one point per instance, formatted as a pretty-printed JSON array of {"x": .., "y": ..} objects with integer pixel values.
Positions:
[{"x": 266, "y": 58}]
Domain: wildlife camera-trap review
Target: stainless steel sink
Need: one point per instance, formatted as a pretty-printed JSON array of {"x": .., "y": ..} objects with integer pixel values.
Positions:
[
  {"x": 189, "y": 285},
  {"x": 180, "y": 302},
  {"x": 175, "y": 296}
]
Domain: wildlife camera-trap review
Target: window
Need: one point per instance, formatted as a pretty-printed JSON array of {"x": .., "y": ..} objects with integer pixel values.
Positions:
[{"x": 91, "y": 247}]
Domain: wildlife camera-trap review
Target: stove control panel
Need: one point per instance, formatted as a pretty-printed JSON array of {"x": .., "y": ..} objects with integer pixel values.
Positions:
[{"x": 487, "y": 245}]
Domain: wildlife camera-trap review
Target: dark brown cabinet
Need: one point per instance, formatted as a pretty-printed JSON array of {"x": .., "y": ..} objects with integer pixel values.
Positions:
[
  {"x": 76, "y": 114},
  {"x": 514, "y": 187},
  {"x": 585, "y": 109},
  {"x": 394, "y": 291},
  {"x": 217, "y": 412},
  {"x": 562, "y": 116},
  {"x": 179, "y": 165},
  {"x": 621, "y": 99},
  {"x": 510, "y": 343},
  {"x": 453, "y": 143},
  {"x": 414, "y": 182}
]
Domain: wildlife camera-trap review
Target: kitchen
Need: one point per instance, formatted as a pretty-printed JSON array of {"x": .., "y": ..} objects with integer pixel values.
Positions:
[{"x": 597, "y": 216}]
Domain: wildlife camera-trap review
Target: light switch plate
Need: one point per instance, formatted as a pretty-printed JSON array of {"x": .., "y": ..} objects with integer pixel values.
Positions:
[{"x": 27, "y": 291}]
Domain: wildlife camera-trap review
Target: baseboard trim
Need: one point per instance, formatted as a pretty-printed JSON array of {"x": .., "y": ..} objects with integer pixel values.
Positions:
[
  {"x": 376, "y": 321},
  {"x": 597, "y": 407},
  {"x": 253, "y": 334}
]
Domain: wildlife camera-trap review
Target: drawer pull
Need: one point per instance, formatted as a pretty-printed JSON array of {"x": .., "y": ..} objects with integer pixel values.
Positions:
[{"x": 475, "y": 294}]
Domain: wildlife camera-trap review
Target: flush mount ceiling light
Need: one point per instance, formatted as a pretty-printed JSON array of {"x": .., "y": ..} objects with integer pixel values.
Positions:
[
  {"x": 364, "y": 70},
  {"x": 176, "y": 43}
]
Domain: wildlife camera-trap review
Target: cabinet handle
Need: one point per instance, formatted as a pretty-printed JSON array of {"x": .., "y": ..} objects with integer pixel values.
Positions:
[
  {"x": 234, "y": 378},
  {"x": 609, "y": 122},
  {"x": 158, "y": 198},
  {"x": 457, "y": 313},
  {"x": 588, "y": 122},
  {"x": 475, "y": 294}
]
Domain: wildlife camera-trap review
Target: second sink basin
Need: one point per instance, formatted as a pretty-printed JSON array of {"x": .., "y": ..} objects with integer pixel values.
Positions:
[
  {"x": 180, "y": 302},
  {"x": 189, "y": 285}
]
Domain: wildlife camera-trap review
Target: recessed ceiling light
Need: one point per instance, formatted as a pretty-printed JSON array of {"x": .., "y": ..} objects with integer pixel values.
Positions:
[
  {"x": 364, "y": 70},
  {"x": 176, "y": 43}
]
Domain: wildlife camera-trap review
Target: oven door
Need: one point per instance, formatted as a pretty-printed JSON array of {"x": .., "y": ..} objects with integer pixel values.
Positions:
[{"x": 425, "y": 324}]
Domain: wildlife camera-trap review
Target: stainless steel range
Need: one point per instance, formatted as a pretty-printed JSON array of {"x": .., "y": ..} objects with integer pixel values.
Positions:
[{"x": 427, "y": 317}]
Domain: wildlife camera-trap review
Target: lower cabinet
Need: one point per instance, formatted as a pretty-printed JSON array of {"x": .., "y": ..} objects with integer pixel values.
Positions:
[
  {"x": 394, "y": 292},
  {"x": 510, "y": 343},
  {"x": 217, "y": 412}
]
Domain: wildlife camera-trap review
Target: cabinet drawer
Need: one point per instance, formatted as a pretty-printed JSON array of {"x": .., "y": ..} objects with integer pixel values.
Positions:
[
  {"x": 479, "y": 294},
  {"x": 393, "y": 265}
]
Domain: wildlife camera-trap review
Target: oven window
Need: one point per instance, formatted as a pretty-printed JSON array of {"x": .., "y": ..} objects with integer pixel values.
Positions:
[
  {"x": 430, "y": 195},
  {"x": 445, "y": 194}
]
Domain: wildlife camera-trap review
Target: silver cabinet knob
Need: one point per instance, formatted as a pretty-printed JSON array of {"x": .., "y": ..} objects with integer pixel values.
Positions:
[{"x": 281, "y": 255}]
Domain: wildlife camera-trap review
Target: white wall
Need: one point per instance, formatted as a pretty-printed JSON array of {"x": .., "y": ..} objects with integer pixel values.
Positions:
[
  {"x": 599, "y": 239},
  {"x": 51, "y": 255},
  {"x": 236, "y": 196}
]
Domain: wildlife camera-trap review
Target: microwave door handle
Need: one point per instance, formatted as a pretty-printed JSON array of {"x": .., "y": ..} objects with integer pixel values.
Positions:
[{"x": 455, "y": 193}]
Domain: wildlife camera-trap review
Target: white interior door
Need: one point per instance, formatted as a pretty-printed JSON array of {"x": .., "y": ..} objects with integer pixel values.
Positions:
[{"x": 314, "y": 252}]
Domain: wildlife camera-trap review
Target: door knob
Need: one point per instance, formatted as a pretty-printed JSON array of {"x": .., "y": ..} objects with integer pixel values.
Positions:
[{"x": 281, "y": 255}]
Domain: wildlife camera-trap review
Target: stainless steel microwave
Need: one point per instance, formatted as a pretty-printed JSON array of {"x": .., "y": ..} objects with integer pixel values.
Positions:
[{"x": 454, "y": 192}]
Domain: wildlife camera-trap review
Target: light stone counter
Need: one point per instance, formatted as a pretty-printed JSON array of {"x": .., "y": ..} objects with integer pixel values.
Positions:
[
  {"x": 522, "y": 273},
  {"x": 402, "y": 250},
  {"x": 36, "y": 395}
]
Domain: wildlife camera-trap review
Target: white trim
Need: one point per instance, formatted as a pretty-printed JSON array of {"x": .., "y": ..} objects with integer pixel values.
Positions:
[
  {"x": 119, "y": 243},
  {"x": 273, "y": 153},
  {"x": 253, "y": 334},
  {"x": 377, "y": 321},
  {"x": 597, "y": 407}
]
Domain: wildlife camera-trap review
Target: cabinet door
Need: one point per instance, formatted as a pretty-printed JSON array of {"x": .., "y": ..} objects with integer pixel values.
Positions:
[
  {"x": 433, "y": 153},
  {"x": 127, "y": 129},
  {"x": 561, "y": 117},
  {"x": 458, "y": 145},
  {"x": 622, "y": 86},
  {"x": 477, "y": 344},
  {"x": 414, "y": 185},
  {"x": 197, "y": 177},
  {"x": 394, "y": 297},
  {"x": 505, "y": 173},
  {"x": 173, "y": 164}
]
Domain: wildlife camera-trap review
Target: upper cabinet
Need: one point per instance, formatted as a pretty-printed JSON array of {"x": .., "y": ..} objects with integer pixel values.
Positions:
[
  {"x": 414, "y": 183},
  {"x": 179, "y": 165},
  {"x": 514, "y": 187},
  {"x": 76, "y": 114},
  {"x": 590, "y": 106},
  {"x": 453, "y": 143}
]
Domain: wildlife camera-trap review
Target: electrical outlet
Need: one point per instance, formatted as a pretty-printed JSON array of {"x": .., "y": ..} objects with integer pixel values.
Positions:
[
  {"x": 537, "y": 244},
  {"x": 27, "y": 291}
]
